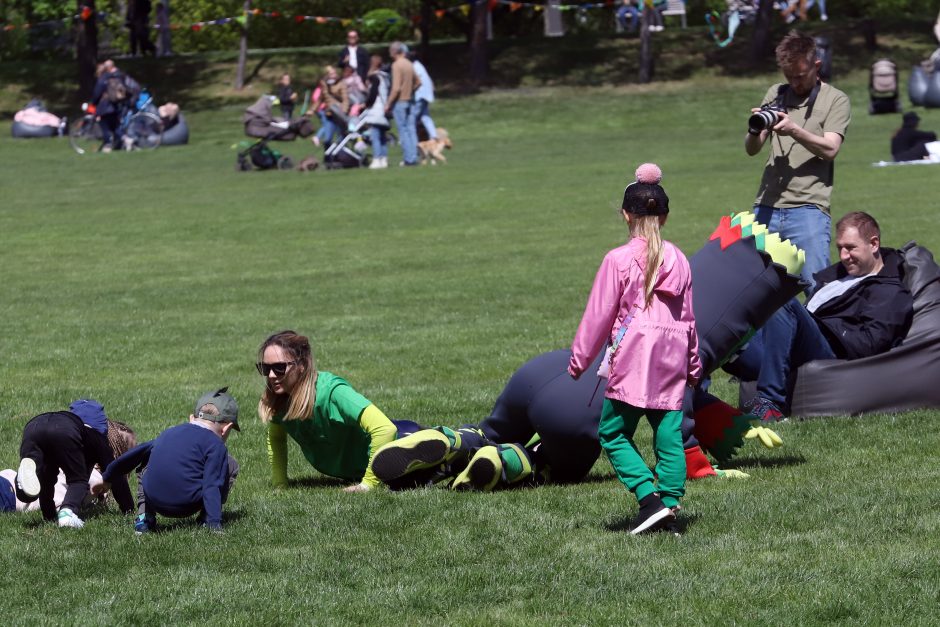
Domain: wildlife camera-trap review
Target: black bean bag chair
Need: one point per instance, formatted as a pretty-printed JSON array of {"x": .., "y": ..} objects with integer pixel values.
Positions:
[
  {"x": 902, "y": 379},
  {"x": 178, "y": 134},
  {"x": 917, "y": 86},
  {"x": 932, "y": 97},
  {"x": 21, "y": 130}
]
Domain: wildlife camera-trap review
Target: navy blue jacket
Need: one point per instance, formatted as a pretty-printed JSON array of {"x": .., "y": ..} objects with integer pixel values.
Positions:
[
  {"x": 100, "y": 94},
  {"x": 872, "y": 317},
  {"x": 187, "y": 471}
]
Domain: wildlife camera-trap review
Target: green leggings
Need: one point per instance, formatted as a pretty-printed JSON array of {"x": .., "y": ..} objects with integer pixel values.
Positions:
[{"x": 618, "y": 424}]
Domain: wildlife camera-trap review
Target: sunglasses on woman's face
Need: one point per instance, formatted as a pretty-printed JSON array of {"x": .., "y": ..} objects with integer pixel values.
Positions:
[{"x": 279, "y": 368}]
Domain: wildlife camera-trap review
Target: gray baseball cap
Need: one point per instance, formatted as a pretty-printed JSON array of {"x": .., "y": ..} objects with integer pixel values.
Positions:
[{"x": 224, "y": 402}]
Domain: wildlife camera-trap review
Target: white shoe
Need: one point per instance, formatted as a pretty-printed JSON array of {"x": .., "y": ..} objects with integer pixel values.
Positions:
[
  {"x": 26, "y": 479},
  {"x": 67, "y": 518},
  {"x": 824, "y": 17},
  {"x": 384, "y": 163}
]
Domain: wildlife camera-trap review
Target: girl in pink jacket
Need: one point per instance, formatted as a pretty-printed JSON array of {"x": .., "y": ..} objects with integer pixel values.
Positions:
[{"x": 641, "y": 305}]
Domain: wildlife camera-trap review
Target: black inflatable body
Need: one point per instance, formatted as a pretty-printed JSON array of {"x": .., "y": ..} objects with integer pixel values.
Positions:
[
  {"x": 178, "y": 134},
  {"x": 31, "y": 131}
]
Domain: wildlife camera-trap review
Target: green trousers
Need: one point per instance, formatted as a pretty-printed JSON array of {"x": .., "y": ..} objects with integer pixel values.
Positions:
[{"x": 617, "y": 427}]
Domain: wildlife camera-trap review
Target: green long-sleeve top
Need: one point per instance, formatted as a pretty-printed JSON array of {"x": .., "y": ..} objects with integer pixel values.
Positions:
[{"x": 340, "y": 437}]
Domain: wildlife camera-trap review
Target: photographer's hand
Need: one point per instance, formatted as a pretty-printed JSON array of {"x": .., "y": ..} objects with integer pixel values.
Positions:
[{"x": 825, "y": 146}]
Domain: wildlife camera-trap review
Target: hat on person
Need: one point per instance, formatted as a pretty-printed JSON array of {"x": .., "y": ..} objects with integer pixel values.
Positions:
[
  {"x": 222, "y": 401},
  {"x": 645, "y": 197},
  {"x": 91, "y": 413},
  {"x": 7, "y": 495},
  {"x": 910, "y": 119}
]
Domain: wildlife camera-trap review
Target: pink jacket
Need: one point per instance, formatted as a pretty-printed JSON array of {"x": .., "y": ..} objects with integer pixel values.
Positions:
[{"x": 658, "y": 355}]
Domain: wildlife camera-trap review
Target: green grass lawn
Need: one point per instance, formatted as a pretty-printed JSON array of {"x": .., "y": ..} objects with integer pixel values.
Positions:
[{"x": 145, "y": 279}]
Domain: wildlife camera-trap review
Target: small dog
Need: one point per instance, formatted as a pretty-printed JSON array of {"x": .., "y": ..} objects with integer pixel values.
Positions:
[
  {"x": 308, "y": 164},
  {"x": 433, "y": 149}
]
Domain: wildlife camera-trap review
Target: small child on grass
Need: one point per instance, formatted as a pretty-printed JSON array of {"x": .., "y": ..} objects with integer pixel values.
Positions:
[
  {"x": 187, "y": 469},
  {"x": 75, "y": 441}
]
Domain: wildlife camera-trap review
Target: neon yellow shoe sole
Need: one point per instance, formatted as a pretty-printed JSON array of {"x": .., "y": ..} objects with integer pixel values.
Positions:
[
  {"x": 482, "y": 473},
  {"x": 424, "y": 449}
]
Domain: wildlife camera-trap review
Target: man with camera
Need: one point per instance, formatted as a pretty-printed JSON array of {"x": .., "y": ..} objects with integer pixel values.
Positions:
[{"x": 804, "y": 121}]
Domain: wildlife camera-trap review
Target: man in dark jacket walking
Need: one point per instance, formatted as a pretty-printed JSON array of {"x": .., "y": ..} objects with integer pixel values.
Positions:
[{"x": 860, "y": 308}]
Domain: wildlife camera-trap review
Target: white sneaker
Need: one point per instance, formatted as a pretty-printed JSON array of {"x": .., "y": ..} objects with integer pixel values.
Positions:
[
  {"x": 824, "y": 17},
  {"x": 376, "y": 163},
  {"x": 26, "y": 479},
  {"x": 67, "y": 518},
  {"x": 383, "y": 163}
]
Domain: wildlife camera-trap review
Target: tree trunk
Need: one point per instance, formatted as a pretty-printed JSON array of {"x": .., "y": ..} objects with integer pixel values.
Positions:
[
  {"x": 760, "y": 42},
  {"x": 426, "y": 15},
  {"x": 646, "y": 46},
  {"x": 86, "y": 47},
  {"x": 869, "y": 34},
  {"x": 243, "y": 51},
  {"x": 478, "y": 62}
]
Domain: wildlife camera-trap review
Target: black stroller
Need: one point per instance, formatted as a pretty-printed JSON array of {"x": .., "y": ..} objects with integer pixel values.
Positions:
[
  {"x": 349, "y": 151},
  {"x": 260, "y": 122},
  {"x": 883, "y": 87}
]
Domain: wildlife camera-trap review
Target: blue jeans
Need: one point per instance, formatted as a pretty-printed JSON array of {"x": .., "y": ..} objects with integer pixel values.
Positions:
[
  {"x": 406, "y": 117},
  {"x": 807, "y": 227},
  {"x": 425, "y": 118},
  {"x": 328, "y": 129},
  {"x": 379, "y": 141},
  {"x": 633, "y": 12},
  {"x": 790, "y": 339}
]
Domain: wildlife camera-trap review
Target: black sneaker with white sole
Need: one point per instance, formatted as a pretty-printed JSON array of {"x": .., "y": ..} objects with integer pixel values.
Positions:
[{"x": 653, "y": 515}]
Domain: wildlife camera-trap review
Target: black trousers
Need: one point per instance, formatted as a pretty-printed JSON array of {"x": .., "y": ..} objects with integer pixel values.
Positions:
[{"x": 54, "y": 441}]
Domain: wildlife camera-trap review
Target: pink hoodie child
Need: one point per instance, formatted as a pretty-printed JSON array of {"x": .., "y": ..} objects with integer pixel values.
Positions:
[{"x": 653, "y": 354}]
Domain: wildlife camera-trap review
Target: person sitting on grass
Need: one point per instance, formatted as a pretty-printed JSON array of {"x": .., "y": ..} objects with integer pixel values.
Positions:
[
  {"x": 75, "y": 441},
  {"x": 337, "y": 428},
  {"x": 909, "y": 143},
  {"x": 187, "y": 468},
  {"x": 860, "y": 308}
]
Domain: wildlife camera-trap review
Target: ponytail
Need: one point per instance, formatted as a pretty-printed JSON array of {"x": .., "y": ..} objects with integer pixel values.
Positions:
[{"x": 647, "y": 227}]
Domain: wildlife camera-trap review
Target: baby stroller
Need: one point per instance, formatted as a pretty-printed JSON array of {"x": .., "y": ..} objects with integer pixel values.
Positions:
[
  {"x": 348, "y": 152},
  {"x": 883, "y": 87},
  {"x": 260, "y": 122}
]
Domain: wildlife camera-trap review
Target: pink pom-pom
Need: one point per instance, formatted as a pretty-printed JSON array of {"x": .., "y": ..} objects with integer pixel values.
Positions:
[{"x": 649, "y": 173}]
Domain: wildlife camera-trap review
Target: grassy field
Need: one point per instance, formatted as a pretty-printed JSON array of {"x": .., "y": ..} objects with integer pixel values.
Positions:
[{"x": 144, "y": 279}]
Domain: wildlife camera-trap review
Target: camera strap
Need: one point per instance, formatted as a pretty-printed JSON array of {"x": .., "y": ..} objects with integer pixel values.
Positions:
[{"x": 810, "y": 102}]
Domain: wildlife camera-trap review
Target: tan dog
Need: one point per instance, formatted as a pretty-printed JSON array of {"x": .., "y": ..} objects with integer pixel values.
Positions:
[
  {"x": 433, "y": 149},
  {"x": 308, "y": 164}
]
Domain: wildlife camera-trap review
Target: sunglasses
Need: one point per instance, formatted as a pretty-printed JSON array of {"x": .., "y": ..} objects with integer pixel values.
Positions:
[{"x": 279, "y": 369}]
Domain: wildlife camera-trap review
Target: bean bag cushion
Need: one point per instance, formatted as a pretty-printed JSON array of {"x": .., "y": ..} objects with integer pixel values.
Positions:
[
  {"x": 903, "y": 378},
  {"x": 23, "y": 130},
  {"x": 178, "y": 134}
]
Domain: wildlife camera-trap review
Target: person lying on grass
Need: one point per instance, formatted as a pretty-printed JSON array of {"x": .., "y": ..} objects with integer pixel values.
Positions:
[
  {"x": 187, "y": 469},
  {"x": 337, "y": 428}
]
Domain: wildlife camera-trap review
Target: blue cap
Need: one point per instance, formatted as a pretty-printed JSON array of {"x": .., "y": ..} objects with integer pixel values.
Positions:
[
  {"x": 92, "y": 414},
  {"x": 7, "y": 496}
]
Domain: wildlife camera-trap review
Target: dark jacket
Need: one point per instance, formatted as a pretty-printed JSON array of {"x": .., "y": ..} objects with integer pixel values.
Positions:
[
  {"x": 100, "y": 95},
  {"x": 187, "y": 471},
  {"x": 870, "y": 318},
  {"x": 362, "y": 61},
  {"x": 908, "y": 144}
]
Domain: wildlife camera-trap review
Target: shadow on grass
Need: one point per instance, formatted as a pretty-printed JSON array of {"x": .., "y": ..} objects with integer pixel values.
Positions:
[
  {"x": 774, "y": 462},
  {"x": 316, "y": 482},
  {"x": 683, "y": 522}
]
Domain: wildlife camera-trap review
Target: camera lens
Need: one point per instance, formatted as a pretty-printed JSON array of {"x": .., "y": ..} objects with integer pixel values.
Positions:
[{"x": 762, "y": 120}]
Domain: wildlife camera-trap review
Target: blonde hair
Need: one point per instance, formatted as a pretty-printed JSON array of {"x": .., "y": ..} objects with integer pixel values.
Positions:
[
  {"x": 647, "y": 227},
  {"x": 301, "y": 399},
  {"x": 121, "y": 438}
]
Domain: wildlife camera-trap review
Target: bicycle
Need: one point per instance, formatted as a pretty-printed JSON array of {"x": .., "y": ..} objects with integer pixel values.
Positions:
[{"x": 139, "y": 128}]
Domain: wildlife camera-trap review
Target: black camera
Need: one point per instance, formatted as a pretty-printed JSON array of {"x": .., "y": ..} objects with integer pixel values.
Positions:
[{"x": 766, "y": 118}]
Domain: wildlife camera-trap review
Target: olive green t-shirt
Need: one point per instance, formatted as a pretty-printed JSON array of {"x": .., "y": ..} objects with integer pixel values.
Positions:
[{"x": 793, "y": 175}]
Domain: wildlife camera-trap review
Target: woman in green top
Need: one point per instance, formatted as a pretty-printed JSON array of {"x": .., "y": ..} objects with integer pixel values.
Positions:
[{"x": 337, "y": 428}]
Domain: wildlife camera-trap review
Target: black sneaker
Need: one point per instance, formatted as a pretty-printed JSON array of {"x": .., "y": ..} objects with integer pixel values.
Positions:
[
  {"x": 653, "y": 515},
  {"x": 672, "y": 524}
]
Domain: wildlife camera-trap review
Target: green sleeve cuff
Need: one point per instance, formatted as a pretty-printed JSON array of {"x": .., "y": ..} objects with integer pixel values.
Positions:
[
  {"x": 381, "y": 431},
  {"x": 277, "y": 454}
]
